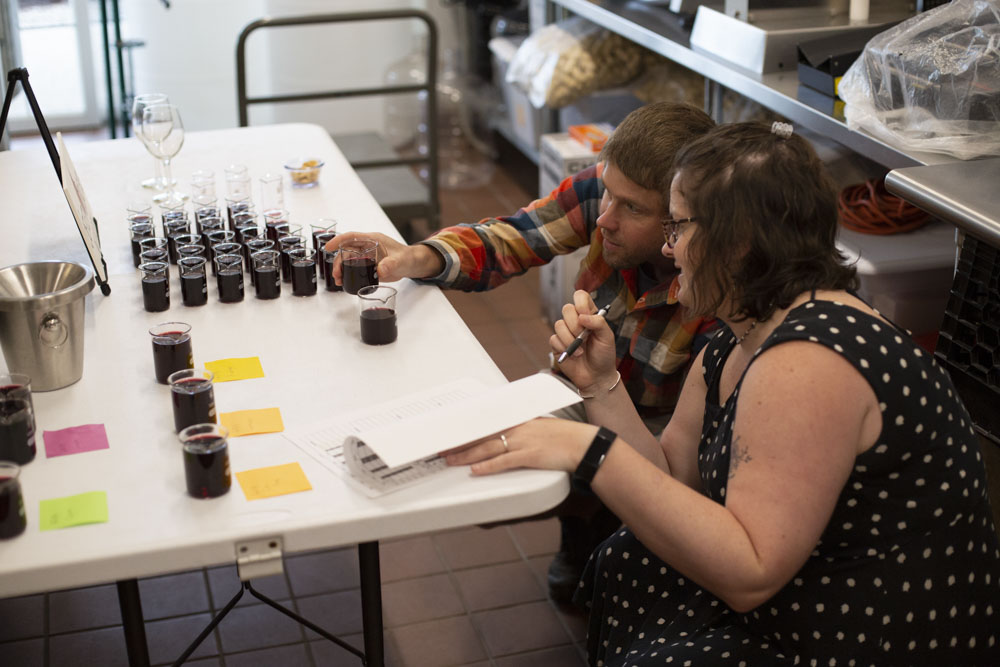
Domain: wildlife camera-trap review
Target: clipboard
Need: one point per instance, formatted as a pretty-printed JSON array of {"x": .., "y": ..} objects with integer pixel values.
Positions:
[{"x": 72, "y": 188}]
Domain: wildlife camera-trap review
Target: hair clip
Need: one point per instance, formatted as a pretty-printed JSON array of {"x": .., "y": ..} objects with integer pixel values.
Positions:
[{"x": 783, "y": 130}]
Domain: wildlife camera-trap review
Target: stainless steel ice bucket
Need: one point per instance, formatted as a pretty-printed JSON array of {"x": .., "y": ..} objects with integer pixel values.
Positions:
[{"x": 41, "y": 321}]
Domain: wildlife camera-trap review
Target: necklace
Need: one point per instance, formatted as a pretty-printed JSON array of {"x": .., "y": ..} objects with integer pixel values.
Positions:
[{"x": 746, "y": 333}]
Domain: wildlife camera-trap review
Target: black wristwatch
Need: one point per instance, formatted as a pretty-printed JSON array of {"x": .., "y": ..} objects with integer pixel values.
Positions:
[{"x": 592, "y": 460}]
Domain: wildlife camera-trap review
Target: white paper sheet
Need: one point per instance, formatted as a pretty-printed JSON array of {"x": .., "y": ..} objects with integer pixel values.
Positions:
[
  {"x": 395, "y": 444},
  {"x": 468, "y": 419}
]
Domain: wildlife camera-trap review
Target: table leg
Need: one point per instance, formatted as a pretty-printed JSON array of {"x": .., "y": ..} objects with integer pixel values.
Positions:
[
  {"x": 371, "y": 603},
  {"x": 132, "y": 623}
]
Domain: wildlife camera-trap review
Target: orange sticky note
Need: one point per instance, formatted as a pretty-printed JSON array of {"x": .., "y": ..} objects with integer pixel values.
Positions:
[
  {"x": 227, "y": 370},
  {"x": 273, "y": 481},
  {"x": 250, "y": 422}
]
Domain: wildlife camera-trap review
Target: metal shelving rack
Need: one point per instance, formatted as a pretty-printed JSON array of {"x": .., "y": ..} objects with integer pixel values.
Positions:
[{"x": 776, "y": 91}]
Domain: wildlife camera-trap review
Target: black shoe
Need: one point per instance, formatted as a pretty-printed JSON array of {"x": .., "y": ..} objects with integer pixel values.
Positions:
[
  {"x": 564, "y": 577},
  {"x": 568, "y": 563},
  {"x": 578, "y": 537}
]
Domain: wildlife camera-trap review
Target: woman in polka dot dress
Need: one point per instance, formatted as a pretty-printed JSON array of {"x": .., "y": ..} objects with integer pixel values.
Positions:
[{"x": 818, "y": 497}]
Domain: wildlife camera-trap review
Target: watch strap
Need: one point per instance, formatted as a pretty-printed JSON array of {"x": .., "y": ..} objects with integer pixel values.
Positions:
[{"x": 592, "y": 460}]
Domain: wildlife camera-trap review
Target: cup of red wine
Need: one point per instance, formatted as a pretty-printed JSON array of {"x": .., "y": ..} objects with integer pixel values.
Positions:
[
  {"x": 12, "y": 517},
  {"x": 303, "y": 269},
  {"x": 206, "y": 460},
  {"x": 194, "y": 283},
  {"x": 266, "y": 273},
  {"x": 17, "y": 419},
  {"x": 229, "y": 274},
  {"x": 155, "y": 285},
  {"x": 378, "y": 314},
  {"x": 359, "y": 262},
  {"x": 193, "y": 397},
  {"x": 171, "y": 349}
]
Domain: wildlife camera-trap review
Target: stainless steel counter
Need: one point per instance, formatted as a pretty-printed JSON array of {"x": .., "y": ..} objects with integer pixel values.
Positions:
[
  {"x": 966, "y": 194},
  {"x": 778, "y": 91}
]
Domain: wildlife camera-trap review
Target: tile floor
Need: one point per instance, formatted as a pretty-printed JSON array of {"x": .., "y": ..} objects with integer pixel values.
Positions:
[{"x": 471, "y": 596}]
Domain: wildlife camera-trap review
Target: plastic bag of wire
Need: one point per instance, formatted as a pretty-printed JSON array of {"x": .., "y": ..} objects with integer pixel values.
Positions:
[
  {"x": 932, "y": 82},
  {"x": 868, "y": 208}
]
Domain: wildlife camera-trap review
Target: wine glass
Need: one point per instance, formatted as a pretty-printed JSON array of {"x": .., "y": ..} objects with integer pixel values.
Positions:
[
  {"x": 139, "y": 104},
  {"x": 163, "y": 132}
]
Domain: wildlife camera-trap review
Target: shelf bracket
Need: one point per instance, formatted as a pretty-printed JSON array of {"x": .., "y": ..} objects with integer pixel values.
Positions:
[{"x": 259, "y": 558}]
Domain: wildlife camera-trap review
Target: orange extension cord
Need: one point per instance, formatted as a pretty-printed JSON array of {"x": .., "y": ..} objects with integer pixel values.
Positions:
[{"x": 870, "y": 209}]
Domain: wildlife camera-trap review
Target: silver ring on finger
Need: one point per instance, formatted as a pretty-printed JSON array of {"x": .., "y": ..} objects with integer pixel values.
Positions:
[{"x": 506, "y": 445}]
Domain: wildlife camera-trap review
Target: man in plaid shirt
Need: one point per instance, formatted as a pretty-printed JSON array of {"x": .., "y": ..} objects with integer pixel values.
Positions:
[{"x": 616, "y": 209}]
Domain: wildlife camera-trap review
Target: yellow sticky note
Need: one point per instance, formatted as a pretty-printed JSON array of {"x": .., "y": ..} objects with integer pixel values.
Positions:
[
  {"x": 249, "y": 422},
  {"x": 75, "y": 510},
  {"x": 273, "y": 481},
  {"x": 227, "y": 370}
]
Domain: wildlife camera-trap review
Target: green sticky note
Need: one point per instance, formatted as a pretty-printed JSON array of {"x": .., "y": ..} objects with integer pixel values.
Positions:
[{"x": 75, "y": 510}]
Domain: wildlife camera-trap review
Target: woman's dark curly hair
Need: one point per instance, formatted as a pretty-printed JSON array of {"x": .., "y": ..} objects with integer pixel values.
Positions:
[{"x": 767, "y": 220}]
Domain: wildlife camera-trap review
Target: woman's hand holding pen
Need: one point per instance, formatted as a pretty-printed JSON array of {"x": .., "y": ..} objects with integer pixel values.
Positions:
[{"x": 592, "y": 365}]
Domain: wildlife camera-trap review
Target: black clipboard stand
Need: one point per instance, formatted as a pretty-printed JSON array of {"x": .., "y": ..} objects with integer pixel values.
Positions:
[{"x": 21, "y": 74}]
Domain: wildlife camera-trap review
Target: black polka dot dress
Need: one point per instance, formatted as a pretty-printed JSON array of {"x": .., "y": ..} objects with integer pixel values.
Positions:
[{"x": 907, "y": 572}]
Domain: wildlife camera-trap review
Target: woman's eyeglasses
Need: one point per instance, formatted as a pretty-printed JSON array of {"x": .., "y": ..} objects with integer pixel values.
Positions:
[{"x": 672, "y": 229}]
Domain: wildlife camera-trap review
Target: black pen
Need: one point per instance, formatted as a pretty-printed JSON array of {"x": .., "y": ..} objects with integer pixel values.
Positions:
[{"x": 578, "y": 341}]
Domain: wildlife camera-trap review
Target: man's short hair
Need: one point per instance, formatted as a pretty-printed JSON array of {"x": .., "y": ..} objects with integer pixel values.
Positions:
[{"x": 643, "y": 146}]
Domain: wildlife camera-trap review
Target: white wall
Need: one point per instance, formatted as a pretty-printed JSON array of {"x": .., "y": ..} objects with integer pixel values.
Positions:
[{"x": 190, "y": 54}]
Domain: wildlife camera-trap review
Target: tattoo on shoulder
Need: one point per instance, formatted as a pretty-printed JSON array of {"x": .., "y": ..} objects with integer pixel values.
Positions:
[{"x": 738, "y": 456}]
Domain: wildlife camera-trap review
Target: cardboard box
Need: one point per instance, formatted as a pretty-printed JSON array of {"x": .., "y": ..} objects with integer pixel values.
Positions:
[{"x": 560, "y": 156}]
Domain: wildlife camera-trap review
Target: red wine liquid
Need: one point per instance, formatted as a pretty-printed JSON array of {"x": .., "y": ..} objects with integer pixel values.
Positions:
[
  {"x": 194, "y": 402},
  {"x": 378, "y": 326},
  {"x": 206, "y": 240},
  {"x": 233, "y": 209},
  {"x": 205, "y": 212},
  {"x": 171, "y": 352},
  {"x": 194, "y": 290},
  {"x": 267, "y": 283},
  {"x": 17, "y": 430},
  {"x": 154, "y": 255},
  {"x": 136, "y": 261},
  {"x": 303, "y": 278},
  {"x": 286, "y": 260},
  {"x": 358, "y": 273},
  {"x": 172, "y": 230},
  {"x": 249, "y": 248},
  {"x": 320, "y": 239},
  {"x": 271, "y": 229},
  {"x": 155, "y": 294},
  {"x": 139, "y": 233},
  {"x": 12, "y": 519},
  {"x": 207, "y": 473},
  {"x": 15, "y": 391},
  {"x": 230, "y": 285}
]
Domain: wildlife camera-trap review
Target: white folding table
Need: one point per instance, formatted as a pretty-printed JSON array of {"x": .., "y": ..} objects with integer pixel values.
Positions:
[{"x": 315, "y": 367}]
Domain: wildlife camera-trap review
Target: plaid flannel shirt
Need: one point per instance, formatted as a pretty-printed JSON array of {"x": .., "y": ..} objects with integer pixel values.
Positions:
[{"x": 655, "y": 336}]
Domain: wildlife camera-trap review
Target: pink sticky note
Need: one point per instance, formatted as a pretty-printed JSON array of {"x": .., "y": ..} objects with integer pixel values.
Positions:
[{"x": 75, "y": 440}]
